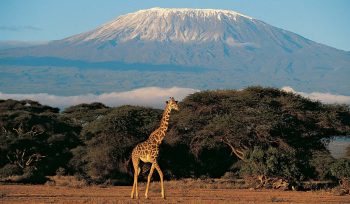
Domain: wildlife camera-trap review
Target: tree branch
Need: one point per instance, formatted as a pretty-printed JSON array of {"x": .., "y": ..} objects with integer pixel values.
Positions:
[{"x": 237, "y": 152}]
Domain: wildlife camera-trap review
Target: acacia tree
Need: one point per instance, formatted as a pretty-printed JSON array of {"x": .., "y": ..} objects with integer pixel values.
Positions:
[
  {"x": 23, "y": 155},
  {"x": 340, "y": 169},
  {"x": 256, "y": 116},
  {"x": 33, "y": 138},
  {"x": 109, "y": 140}
]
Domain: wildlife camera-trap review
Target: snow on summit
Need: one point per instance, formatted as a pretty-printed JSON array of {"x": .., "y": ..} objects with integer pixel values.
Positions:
[
  {"x": 165, "y": 24},
  {"x": 193, "y": 12}
]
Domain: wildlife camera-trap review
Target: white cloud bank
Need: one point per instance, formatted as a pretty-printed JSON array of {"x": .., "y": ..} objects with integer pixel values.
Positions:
[
  {"x": 149, "y": 96},
  {"x": 322, "y": 97}
]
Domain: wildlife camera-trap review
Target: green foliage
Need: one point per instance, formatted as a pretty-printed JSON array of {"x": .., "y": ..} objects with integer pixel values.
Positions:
[
  {"x": 110, "y": 139},
  {"x": 25, "y": 105},
  {"x": 341, "y": 169},
  {"x": 279, "y": 134},
  {"x": 83, "y": 114},
  {"x": 257, "y": 116},
  {"x": 321, "y": 162},
  {"x": 77, "y": 164},
  {"x": 33, "y": 136},
  {"x": 32, "y": 175},
  {"x": 272, "y": 163},
  {"x": 10, "y": 170}
]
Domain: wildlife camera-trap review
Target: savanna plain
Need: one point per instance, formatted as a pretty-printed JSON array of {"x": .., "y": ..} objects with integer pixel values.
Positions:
[{"x": 183, "y": 191}]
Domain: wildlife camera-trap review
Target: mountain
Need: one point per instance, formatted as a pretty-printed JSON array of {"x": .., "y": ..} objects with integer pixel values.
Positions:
[
  {"x": 196, "y": 48},
  {"x": 9, "y": 44}
]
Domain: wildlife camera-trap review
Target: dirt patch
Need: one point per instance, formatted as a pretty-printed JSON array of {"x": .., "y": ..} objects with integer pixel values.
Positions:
[{"x": 121, "y": 194}]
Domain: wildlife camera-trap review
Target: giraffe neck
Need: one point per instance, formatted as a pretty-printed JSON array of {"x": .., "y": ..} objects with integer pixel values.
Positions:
[{"x": 164, "y": 123}]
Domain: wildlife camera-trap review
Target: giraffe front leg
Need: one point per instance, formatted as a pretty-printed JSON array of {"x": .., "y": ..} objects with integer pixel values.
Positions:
[{"x": 161, "y": 178}]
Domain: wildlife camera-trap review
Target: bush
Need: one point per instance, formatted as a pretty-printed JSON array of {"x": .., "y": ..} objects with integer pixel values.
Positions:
[
  {"x": 30, "y": 175},
  {"x": 10, "y": 170},
  {"x": 109, "y": 142},
  {"x": 61, "y": 171},
  {"x": 271, "y": 163},
  {"x": 341, "y": 169},
  {"x": 256, "y": 116},
  {"x": 205, "y": 138},
  {"x": 321, "y": 162}
]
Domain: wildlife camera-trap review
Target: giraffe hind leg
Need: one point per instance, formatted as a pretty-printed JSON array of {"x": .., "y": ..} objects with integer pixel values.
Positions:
[
  {"x": 135, "y": 162},
  {"x": 149, "y": 180},
  {"x": 161, "y": 178}
]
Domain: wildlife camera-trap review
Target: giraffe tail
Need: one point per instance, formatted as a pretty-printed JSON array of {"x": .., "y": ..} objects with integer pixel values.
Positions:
[{"x": 129, "y": 169}]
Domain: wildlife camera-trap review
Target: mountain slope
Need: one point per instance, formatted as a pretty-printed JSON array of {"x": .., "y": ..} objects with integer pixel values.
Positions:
[{"x": 224, "y": 42}]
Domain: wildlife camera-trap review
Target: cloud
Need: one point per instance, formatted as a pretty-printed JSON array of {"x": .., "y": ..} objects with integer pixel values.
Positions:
[
  {"x": 149, "y": 96},
  {"x": 323, "y": 97},
  {"x": 19, "y": 28}
]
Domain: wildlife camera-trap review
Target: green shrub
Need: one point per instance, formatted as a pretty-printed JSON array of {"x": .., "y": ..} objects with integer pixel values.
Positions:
[
  {"x": 10, "y": 170},
  {"x": 272, "y": 163},
  {"x": 321, "y": 162},
  {"x": 341, "y": 169},
  {"x": 32, "y": 175},
  {"x": 109, "y": 142}
]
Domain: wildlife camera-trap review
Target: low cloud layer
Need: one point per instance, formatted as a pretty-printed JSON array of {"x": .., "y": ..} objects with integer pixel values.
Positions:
[
  {"x": 149, "y": 96},
  {"x": 323, "y": 97}
]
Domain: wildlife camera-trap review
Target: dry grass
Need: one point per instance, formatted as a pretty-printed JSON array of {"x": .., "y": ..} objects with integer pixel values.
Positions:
[
  {"x": 175, "y": 194},
  {"x": 67, "y": 189},
  {"x": 68, "y": 181},
  {"x": 207, "y": 184},
  {"x": 2, "y": 194},
  {"x": 187, "y": 184}
]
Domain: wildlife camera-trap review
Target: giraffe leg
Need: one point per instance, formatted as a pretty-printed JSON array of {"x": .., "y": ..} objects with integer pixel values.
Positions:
[
  {"x": 161, "y": 178},
  {"x": 149, "y": 179},
  {"x": 135, "y": 163}
]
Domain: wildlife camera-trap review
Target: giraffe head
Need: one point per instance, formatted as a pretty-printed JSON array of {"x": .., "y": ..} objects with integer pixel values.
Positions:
[{"x": 172, "y": 104}]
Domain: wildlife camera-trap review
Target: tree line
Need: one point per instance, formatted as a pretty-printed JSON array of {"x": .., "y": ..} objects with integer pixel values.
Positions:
[{"x": 261, "y": 133}]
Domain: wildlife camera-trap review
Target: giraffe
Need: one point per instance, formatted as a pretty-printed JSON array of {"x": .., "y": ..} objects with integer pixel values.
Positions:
[{"x": 148, "y": 150}]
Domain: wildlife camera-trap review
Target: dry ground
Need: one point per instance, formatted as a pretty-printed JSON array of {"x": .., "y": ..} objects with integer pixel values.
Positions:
[{"x": 121, "y": 194}]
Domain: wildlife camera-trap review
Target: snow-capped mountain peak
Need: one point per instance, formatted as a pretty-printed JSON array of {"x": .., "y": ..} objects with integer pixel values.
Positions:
[
  {"x": 194, "y": 12},
  {"x": 222, "y": 49},
  {"x": 165, "y": 24}
]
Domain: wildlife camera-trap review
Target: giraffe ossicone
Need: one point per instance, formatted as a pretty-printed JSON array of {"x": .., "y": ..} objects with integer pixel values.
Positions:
[{"x": 148, "y": 150}]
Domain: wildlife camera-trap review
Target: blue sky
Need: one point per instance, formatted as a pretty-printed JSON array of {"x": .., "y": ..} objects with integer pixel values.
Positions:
[{"x": 324, "y": 21}]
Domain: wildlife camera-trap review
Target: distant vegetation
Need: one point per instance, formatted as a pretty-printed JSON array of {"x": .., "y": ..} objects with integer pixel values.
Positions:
[{"x": 263, "y": 135}]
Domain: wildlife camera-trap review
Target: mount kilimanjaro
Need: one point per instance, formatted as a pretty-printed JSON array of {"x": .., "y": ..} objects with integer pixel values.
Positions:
[{"x": 195, "y": 48}]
